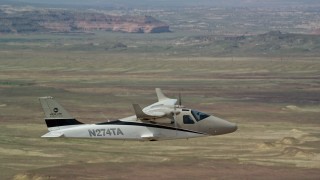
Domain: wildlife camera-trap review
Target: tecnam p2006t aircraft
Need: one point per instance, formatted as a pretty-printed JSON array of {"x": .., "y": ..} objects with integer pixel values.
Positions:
[{"x": 162, "y": 120}]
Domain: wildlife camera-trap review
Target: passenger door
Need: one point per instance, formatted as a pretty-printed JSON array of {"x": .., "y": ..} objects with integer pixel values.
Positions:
[{"x": 187, "y": 121}]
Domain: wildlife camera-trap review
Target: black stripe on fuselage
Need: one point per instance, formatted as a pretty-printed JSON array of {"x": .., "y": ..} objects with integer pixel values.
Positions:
[
  {"x": 118, "y": 122},
  {"x": 61, "y": 122}
]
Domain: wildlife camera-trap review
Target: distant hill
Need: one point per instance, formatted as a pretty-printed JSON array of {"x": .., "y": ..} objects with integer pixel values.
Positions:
[
  {"x": 147, "y": 4},
  {"x": 57, "y": 20},
  {"x": 270, "y": 43}
]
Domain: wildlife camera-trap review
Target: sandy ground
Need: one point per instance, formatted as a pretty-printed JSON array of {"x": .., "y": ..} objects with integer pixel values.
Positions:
[
  {"x": 275, "y": 104},
  {"x": 208, "y": 169}
]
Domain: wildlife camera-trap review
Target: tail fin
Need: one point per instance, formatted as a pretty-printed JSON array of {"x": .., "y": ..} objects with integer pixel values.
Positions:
[
  {"x": 55, "y": 115},
  {"x": 160, "y": 95}
]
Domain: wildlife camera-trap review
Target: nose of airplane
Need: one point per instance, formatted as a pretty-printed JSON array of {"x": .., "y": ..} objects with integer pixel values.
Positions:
[{"x": 220, "y": 126}]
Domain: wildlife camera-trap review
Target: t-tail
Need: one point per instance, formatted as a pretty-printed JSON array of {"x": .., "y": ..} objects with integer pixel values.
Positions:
[{"x": 56, "y": 116}]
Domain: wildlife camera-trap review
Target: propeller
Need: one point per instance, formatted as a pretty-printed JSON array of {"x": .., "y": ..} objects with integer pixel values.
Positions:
[
  {"x": 175, "y": 112},
  {"x": 175, "y": 118}
]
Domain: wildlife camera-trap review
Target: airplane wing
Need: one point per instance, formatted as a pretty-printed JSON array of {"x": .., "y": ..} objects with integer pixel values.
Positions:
[{"x": 162, "y": 108}]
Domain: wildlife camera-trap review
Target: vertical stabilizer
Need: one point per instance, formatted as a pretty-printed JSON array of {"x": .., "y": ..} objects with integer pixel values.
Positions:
[
  {"x": 53, "y": 109},
  {"x": 55, "y": 115},
  {"x": 160, "y": 95}
]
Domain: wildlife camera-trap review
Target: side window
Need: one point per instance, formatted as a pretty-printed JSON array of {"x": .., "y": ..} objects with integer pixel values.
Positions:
[{"x": 187, "y": 119}]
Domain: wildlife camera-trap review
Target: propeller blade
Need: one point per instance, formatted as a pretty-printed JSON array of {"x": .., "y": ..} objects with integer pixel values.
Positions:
[
  {"x": 180, "y": 99},
  {"x": 175, "y": 119}
]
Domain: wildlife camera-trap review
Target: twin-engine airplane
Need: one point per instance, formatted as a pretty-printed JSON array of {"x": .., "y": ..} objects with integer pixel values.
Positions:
[{"x": 162, "y": 120}]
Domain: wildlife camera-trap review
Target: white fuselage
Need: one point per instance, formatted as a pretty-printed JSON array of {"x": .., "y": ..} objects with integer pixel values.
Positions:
[
  {"x": 162, "y": 120},
  {"x": 125, "y": 131}
]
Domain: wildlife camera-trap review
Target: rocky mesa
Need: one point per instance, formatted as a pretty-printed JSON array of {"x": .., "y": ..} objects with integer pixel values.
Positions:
[{"x": 56, "y": 20}]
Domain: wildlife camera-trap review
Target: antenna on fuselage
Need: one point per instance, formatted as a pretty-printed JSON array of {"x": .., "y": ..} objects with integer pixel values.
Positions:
[{"x": 180, "y": 99}]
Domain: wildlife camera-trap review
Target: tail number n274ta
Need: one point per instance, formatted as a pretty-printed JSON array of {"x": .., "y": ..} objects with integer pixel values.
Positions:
[{"x": 105, "y": 132}]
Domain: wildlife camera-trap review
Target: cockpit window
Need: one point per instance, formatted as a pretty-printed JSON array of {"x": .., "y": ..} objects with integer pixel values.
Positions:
[{"x": 199, "y": 115}]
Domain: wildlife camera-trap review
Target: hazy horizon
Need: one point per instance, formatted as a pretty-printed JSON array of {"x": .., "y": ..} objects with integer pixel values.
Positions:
[{"x": 162, "y": 3}]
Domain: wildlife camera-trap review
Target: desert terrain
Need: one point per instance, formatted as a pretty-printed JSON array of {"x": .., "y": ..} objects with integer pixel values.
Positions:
[{"x": 274, "y": 103}]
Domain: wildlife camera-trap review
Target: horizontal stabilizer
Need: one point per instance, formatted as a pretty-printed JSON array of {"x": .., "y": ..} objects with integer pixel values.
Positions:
[{"x": 53, "y": 134}]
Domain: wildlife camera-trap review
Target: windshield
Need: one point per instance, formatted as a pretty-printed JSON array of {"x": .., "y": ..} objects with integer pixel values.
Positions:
[{"x": 199, "y": 115}]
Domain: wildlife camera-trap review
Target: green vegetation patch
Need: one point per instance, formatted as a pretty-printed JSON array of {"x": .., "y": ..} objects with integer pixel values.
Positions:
[{"x": 15, "y": 83}]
